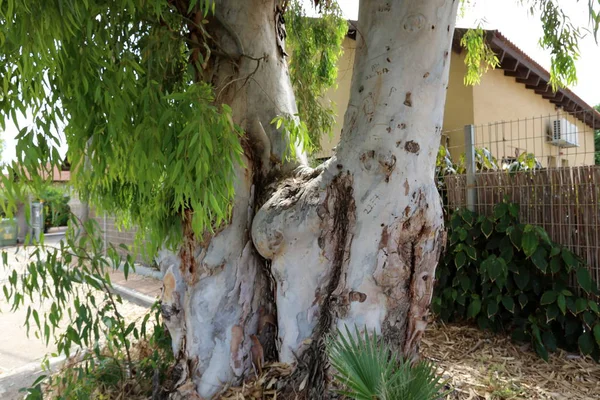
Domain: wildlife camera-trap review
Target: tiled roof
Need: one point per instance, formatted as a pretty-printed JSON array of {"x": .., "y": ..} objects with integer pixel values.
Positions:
[{"x": 516, "y": 63}]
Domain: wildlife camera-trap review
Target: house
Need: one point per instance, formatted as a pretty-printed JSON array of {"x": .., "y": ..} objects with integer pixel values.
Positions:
[{"x": 513, "y": 109}]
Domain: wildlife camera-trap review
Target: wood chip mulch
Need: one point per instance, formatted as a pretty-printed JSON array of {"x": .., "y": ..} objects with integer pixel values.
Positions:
[{"x": 484, "y": 365}]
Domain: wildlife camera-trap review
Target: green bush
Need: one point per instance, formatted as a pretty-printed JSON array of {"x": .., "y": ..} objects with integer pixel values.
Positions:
[
  {"x": 508, "y": 276},
  {"x": 56, "y": 207}
]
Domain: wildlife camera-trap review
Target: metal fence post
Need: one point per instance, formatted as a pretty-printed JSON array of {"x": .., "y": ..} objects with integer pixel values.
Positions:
[
  {"x": 470, "y": 166},
  {"x": 104, "y": 234}
]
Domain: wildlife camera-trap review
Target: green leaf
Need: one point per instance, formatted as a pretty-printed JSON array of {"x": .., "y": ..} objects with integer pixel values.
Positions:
[
  {"x": 460, "y": 259},
  {"x": 492, "y": 309},
  {"x": 552, "y": 312},
  {"x": 539, "y": 259},
  {"x": 465, "y": 282},
  {"x": 571, "y": 306},
  {"x": 593, "y": 306},
  {"x": 562, "y": 303},
  {"x": 500, "y": 210},
  {"x": 548, "y": 297},
  {"x": 584, "y": 279},
  {"x": 523, "y": 300},
  {"x": 589, "y": 318},
  {"x": 529, "y": 243},
  {"x": 506, "y": 250},
  {"x": 540, "y": 350},
  {"x": 596, "y": 331},
  {"x": 470, "y": 250},
  {"x": 495, "y": 267},
  {"x": 474, "y": 308},
  {"x": 555, "y": 265},
  {"x": 570, "y": 259},
  {"x": 516, "y": 236},
  {"x": 467, "y": 216},
  {"x": 362, "y": 362},
  {"x": 586, "y": 343},
  {"x": 36, "y": 318},
  {"x": 549, "y": 340},
  {"x": 581, "y": 304},
  {"x": 47, "y": 333},
  {"x": 508, "y": 303},
  {"x": 455, "y": 220},
  {"x": 522, "y": 278},
  {"x": 487, "y": 227},
  {"x": 539, "y": 347},
  {"x": 513, "y": 209},
  {"x": 541, "y": 232}
]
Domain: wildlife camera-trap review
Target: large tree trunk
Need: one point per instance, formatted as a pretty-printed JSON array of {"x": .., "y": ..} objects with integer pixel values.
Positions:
[{"x": 355, "y": 241}]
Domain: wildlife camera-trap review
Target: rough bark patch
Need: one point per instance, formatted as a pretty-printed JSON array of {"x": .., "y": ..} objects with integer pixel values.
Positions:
[
  {"x": 408, "y": 99},
  {"x": 187, "y": 251},
  {"x": 338, "y": 218},
  {"x": 412, "y": 147},
  {"x": 409, "y": 250}
]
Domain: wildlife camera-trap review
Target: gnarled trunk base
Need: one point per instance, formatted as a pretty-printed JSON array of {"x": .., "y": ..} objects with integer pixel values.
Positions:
[{"x": 353, "y": 242}]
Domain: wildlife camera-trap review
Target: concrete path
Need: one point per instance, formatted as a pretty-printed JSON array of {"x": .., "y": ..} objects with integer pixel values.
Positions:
[{"x": 20, "y": 354}]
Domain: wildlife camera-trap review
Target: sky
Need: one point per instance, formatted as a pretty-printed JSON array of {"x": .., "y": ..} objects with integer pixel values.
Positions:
[{"x": 507, "y": 16}]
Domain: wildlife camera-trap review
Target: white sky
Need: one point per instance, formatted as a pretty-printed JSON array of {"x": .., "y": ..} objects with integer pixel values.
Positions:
[{"x": 507, "y": 16}]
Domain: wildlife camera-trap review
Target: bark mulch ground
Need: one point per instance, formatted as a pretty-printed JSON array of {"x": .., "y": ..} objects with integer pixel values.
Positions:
[{"x": 484, "y": 365}]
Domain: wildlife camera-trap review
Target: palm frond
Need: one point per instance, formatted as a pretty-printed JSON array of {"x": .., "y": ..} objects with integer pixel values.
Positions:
[
  {"x": 422, "y": 382},
  {"x": 362, "y": 363},
  {"x": 368, "y": 370}
]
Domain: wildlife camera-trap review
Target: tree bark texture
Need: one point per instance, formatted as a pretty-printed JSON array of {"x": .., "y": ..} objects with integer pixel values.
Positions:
[{"x": 352, "y": 242}]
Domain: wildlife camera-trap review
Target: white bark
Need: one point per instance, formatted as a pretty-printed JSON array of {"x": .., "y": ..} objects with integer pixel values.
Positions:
[
  {"x": 355, "y": 241},
  {"x": 216, "y": 295},
  {"x": 358, "y": 244},
  {"x": 398, "y": 94}
]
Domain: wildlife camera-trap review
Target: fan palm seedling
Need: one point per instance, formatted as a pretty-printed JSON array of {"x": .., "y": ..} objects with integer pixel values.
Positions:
[{"x": 367, "y": 369}]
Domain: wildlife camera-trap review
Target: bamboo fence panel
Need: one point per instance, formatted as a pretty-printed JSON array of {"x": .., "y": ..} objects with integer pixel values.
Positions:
[{"x": 564, "y": 201}]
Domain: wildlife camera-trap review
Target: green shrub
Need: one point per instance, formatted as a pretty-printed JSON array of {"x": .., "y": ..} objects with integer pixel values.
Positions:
[
  {"x": 508, "y": 276},
  {"x": 369, "y": 370},
  {"x": 56, "y": 207}
]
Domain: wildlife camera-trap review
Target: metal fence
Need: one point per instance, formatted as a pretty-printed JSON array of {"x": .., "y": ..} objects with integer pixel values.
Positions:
[
  {"x": 544, "y": 165},
  {"x": 557, "y": 140}
]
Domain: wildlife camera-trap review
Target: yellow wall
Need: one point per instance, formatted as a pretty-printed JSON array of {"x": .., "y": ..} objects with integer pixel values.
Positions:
[
  {"x": 496, "y": 99},
  {"x": 458, "y": 110},
  {"x": 511, "y": 119},
  {"x": 340, "y": 96}
]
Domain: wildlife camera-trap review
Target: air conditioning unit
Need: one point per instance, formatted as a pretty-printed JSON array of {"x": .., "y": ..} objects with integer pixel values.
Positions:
[{"x": 564, "y": 134}]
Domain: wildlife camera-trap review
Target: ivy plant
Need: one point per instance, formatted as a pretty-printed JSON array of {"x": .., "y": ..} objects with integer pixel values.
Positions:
[{"x": 509, "y": 276}]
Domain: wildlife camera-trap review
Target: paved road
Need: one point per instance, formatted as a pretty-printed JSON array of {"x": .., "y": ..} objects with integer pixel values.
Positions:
[
  {"x": 20, "y": 355},
  {"x": 16, "y": 350}
]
